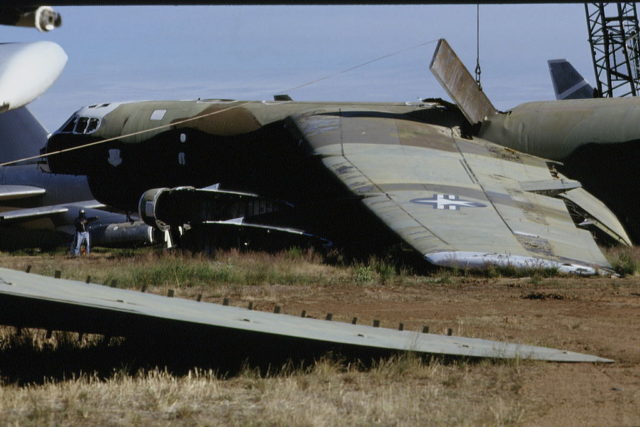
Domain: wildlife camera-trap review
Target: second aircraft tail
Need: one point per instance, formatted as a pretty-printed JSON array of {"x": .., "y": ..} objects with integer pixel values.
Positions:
[
  {"x": 21, "y": 135},
  {"x": 568, "y": 83}
]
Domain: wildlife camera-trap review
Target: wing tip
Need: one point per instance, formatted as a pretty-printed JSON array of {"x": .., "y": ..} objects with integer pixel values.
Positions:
[{"x": 484, "y": 260}]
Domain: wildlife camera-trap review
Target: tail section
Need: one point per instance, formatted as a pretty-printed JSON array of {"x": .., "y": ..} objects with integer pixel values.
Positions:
[
  {"x": 568, "y": 83},
  {"x": 21, "y": 135}
]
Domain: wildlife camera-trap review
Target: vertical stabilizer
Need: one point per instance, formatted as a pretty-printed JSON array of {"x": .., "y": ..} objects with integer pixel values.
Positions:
[
  {"x": 21, "y": 135},
  {"x": 459, "y": 84},
  {"x": 568, "y": 83}
]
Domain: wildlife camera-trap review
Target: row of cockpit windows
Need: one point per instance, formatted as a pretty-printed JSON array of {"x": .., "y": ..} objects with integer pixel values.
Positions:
[{"x": 81, "y": 125}]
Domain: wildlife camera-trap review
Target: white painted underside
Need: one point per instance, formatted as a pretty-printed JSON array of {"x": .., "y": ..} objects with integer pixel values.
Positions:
[{"x": 480, "y": 260}]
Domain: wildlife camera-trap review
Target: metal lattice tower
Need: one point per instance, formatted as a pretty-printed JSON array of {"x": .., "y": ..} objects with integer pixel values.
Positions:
[{"x": 613, "y": 36}]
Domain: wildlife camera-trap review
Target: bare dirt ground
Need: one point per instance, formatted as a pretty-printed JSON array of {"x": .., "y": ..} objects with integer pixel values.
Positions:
[{"x": 598, "y": 316}]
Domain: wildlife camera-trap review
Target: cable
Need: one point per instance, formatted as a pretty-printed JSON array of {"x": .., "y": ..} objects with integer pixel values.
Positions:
[
  {"x": 140, "y": 132},
  {"x": 104, "y": 141},
  {"x": 355, "y": 67},
  {"x": 478, "y": 69}
]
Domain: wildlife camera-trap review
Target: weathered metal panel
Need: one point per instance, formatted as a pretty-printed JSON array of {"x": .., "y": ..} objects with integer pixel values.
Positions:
[
  {"x": 459, "y": 84},
  {"x": 460, "y": 204},
  {"x": 555, "y": 129},
  {"x": 607, "y": 221}
]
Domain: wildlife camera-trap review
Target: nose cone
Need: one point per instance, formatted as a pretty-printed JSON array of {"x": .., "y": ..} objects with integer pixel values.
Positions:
[{"x": 27, "y": 70}]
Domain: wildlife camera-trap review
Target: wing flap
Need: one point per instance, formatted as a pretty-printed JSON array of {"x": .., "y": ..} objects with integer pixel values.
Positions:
[
  {"x": 541, "y": 223},
  {"x": 598, "y": 214},
  {"x": 459, "y": 84}
]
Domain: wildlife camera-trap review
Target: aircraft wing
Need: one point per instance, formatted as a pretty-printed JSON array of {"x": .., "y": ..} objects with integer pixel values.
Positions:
[
  {"x": 460, "y": 202},
  {"x": 43, "y": 211},
  {"x": 13, "y": 192},
  {"x": 30, "y": 300}
]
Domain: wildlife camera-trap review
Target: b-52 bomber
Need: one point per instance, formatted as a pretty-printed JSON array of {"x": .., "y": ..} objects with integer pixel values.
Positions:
[{"x": 462, "y": 185}]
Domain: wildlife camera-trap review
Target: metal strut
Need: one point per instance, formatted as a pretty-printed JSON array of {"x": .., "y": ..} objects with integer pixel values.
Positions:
[{"x": 613, "y": 36}]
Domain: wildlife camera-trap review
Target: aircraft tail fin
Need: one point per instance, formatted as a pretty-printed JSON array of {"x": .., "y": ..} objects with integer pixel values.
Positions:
[
  {"x": 21, "y": 135},
  {"x": 459, "y": 84},
  {"x": 568, "y": 83}
]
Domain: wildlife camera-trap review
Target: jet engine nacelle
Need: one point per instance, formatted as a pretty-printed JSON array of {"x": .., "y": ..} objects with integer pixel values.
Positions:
[
  {"x": 43, "y": 18},
  {"x": 125, "y": 234},
  {"x": 148, "y": 205}
]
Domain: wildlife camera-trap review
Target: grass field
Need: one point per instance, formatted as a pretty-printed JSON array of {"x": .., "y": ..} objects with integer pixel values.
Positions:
[{"x": 101, "y": 385}]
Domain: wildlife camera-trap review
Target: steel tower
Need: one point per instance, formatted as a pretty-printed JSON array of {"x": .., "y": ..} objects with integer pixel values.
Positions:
[{"x": 613, "y": 36}]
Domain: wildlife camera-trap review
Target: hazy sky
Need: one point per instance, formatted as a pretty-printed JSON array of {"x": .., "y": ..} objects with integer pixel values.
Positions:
[{"x": 253, "y": 52}]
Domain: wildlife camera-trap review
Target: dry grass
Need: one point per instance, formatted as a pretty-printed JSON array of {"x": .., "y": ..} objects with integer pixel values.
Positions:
[
  {"x": 597, "y": 315},
  {"x": 226, "y": 273},
  {"x": 625, "y": 261},
  {"x": 159, "y": 268},
  {"x": 399, "y": 391}
]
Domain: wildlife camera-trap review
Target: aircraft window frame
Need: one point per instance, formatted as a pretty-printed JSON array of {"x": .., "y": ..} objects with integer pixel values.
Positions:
[
  {"x": 92, "y": 125},
  {"x": 81, "y": 125},
  {"x": 69, "y": 125}
]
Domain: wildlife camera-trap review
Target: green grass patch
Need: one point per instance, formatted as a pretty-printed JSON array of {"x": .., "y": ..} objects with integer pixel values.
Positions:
[{"x": 625, "y": 261}]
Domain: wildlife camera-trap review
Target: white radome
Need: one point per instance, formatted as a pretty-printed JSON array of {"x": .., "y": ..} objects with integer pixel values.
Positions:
[{"x": 27, "y": 70}]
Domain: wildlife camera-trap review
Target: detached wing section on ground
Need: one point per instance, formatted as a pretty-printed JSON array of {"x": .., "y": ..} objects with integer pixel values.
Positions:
[
  {"x": 30, "y": 300},
  {"x": 460, "y": 202}
]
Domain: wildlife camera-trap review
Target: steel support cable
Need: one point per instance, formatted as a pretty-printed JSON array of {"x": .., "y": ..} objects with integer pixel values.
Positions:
[
  {"x": 104, "y": 141},
  {"x": 478, "y": 70},
  {"x": 168, "y": 125},
  {"x": 355, "y": 67}
]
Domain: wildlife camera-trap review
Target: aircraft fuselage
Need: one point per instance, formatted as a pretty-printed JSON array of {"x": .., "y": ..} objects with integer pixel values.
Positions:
[{"x": 245, "y": 146}]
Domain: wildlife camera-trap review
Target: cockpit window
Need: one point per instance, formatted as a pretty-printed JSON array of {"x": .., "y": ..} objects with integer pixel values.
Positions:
[
  {"x": 81, "y": 125},
  {"x": 68, "y": 127},
  {"x": 92, "y": 126}
]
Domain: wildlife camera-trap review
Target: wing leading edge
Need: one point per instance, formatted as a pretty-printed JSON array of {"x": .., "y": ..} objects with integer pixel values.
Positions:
[
  {"x": 77, "y": 306},
  {"x": 460, "y": 202}
]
